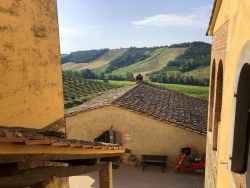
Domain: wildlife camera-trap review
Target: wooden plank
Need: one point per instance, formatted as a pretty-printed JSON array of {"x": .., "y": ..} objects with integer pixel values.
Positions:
[
  {"x": 50, "y": 157},
  {"x": 38, "y": 142},
  {"x": 37, "y": 175}
]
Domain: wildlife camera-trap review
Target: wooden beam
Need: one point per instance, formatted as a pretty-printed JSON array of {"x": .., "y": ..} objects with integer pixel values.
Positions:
[
  {"x": 14, "y": 158},
  {"x": 10, "y": 148},
  {"x": 105, "y": 175},
  {"x": 41, "y": 174}
]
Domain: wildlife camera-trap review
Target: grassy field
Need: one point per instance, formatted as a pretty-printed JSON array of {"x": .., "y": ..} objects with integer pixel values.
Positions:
[
  {"x": 157, "y": 60},
  {"x": 115, "y": 83},
  {"x": 200, "y": 92},
  {"x": 100, "y": 62},
  {"x": 199, "y": 73},
  {"x": 100, "y": 69}
]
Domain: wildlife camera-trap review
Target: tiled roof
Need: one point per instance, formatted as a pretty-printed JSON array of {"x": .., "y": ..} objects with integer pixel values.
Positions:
[
  {"x": 158, "y": 102},
  {"x": 167, "y": 105},
  {"x": 105, "y": 99},
  {"x": 28, "y": 136}
]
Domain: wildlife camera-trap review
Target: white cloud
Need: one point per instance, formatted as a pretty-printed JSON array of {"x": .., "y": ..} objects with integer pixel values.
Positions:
[
  {"x": 167, "y": 20},
  {"x": 198, "y": 18}
]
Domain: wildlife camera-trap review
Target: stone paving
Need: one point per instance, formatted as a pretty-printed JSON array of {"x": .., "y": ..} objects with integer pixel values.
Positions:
[{"x": 133, "y": 177}]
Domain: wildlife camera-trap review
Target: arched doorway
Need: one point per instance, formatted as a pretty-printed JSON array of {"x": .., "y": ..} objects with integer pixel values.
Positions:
[
  {"x": 110, "y": 136},
  {"x": 240, "y": 158},
  {"x": 217, "y": 104}
]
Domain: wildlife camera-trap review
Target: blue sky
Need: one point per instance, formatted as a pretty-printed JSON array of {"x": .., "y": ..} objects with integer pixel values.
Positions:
[{"x": 96, "y": 24}]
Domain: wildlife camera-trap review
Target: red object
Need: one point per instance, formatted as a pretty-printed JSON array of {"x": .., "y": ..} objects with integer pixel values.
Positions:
[{"x": 187, "y": 163}]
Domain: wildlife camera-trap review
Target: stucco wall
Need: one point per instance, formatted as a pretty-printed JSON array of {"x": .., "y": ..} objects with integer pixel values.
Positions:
[
  {"x": 143, "y": 135},
  {"x": 31, "y": 82},
  {"x": 237, "y": 14}
]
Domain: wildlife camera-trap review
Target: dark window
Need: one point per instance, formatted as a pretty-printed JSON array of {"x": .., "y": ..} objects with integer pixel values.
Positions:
[
  {"x": 218, "y": 104},
  {"x": 242, "y": 122}
]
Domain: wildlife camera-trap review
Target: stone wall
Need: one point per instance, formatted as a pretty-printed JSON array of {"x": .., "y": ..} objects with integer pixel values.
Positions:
[
  {"x": 141, "y": 134},
  {"x": 31, "y": 92}
]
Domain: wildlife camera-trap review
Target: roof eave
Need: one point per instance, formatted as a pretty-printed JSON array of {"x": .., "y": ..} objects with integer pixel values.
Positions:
[{"x": 215, "y": 12}]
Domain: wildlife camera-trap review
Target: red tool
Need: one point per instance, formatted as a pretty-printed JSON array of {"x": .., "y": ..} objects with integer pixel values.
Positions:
[{"x": 187, "y": 163}]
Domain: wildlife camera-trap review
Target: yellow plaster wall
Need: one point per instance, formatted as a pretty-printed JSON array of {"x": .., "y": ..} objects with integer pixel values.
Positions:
[
  {"x": 143, "y": 135},
  {"x": 238, "y": 14},
  {"x": 31, "y": 92}
]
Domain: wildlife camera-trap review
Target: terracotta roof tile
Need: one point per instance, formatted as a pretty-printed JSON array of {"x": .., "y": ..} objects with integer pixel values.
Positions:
[
  {"x": 44, "y": 137},
  {"x": 167, "y": 105}
]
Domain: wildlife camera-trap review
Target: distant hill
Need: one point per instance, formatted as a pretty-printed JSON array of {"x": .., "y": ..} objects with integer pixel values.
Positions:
[
  {"x": 192, "y": 67},
  {"x": 101, "y": 61},
  {"x": 185, "y": 63},
  {"x": 156, "y": 61},
  {"x": 83, "y": 56}
]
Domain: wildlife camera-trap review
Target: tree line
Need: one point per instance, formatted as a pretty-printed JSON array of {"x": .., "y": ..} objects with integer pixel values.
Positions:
[{"x": 83, "y": 56}]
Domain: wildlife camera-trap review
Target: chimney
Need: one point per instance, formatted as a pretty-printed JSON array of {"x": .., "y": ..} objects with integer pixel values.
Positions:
[{"x": 139, "y": 79}]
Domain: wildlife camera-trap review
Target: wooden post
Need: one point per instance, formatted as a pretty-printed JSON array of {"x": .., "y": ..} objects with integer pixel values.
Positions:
[{"x": 105, "y": 175}]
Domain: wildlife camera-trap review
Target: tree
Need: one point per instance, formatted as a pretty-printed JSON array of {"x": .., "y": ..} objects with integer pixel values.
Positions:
[{"x": 102, "y": 76}]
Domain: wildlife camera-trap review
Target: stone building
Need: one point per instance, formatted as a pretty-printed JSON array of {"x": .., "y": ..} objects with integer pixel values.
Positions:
[
  {"x": 145, "y": 118},
  {"x": 227, "y": 162},
  {"x": 32, "y": 150}
]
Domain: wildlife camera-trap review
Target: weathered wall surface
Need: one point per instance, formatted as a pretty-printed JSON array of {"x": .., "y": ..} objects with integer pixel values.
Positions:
[
  {"x": 235, "y": 15},
  {"x": 142, "y": 134},
  {"x": 31, "y": 82},
  {"x": 56, "y": 182}
]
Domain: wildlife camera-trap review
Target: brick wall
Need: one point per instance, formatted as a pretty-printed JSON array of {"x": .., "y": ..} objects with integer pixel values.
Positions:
[{"x": 219, "y": 49}]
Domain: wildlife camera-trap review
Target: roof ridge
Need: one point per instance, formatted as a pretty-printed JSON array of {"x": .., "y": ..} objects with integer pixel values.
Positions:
[
  {"x": 126, "y": 93},
  {"x": 78, "y": 109}
]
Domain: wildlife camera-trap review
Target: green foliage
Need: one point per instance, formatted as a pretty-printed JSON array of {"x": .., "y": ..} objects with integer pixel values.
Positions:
[
  {"x": 182, "y": 45},
  {"x": 83, "y": 56},
  {"x": 196, "y": 56},
  {"x": 131, "y": 56}
]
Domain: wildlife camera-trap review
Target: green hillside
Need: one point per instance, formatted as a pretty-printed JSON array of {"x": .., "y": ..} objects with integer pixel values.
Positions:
[
  {"x": 157, "y": 60},
  {"x": 191, "y": 67},
  {"x": 83, "y": 56},
  {"x": 101, "y": 61},
  {"x": 201, "y": 72}
]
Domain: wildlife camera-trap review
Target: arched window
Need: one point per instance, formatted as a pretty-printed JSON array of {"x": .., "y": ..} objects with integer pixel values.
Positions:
[
  {"x": 211, "y": 96},
  {"x": 217, "y": 104},
  {"x": 242, "y": 123},
  {"x": 110, "y": 136}
]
